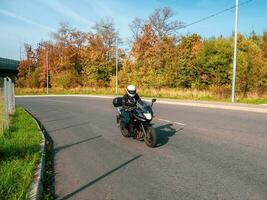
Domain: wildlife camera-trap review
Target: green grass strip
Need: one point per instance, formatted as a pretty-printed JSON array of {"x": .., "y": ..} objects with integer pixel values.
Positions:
[{"x": 19, "y": 155}]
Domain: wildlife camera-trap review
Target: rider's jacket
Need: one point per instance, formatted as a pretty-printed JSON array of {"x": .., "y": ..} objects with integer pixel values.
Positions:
[{"x": 128, "y": 101}]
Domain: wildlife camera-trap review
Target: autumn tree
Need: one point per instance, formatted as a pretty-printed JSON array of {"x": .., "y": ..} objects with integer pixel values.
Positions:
[
  {"x": 251, "y": 66},
  {"x": 105, "y": 30},
  {"x": 44, "y": 61},
  {"x": 143, "y": 44},
  {"x": 153, "y": 49},
  {"x": 158, "y": 58},
  {"x": 160, "y": 21},
  {"x": 187, "y": 50},
  {"x": 99, "y": 55},
  {"x": 263, "y": 80},
  {"x": 26, "y": 76},
  {"x": 264, "y": 44},
  {"x": 66, "y": 56}
]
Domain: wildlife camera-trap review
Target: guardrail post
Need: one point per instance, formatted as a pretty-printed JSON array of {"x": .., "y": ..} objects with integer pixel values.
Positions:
[
  {"x": 13, "y": 108},
  {"x": 6, "y": 103}
]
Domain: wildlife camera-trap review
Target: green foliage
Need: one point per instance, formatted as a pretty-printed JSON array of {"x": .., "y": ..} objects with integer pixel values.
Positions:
[
  {"x": 66, "y": 79},
  {"x": 251, "y": 67},
  {"x": 36, "y": 78},
  {"x": 187, "y": 50},
  {"x": 213, "y": 63},
  {"x": 264, "y": 44}
]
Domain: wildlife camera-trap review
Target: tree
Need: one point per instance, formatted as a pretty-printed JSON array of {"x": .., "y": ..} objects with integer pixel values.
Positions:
[
  {"x": 66, "y": 56},
  {"x": 213, "y": 63},
  {"x": 187, "y": 50},
  {"x": 105, "y": 30},
  {"x": 99, "y": 55},
  {"x": 251, "y": 66},
  {"x": 27, "y": 68},
  {"x": 162, "y": 64},
  {"x": 161, "y": 24},
  {"x": 263, "y": 71},
  {"x": 153, "y": 49},
  {"x": 264, "y": 45},
  {"x": 158, "y": 58},
  {"x": 144, "y": 43},
  {"x": 136, "y": 27}
]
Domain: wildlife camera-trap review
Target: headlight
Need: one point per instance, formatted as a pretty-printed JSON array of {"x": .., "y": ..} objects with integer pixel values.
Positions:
[{"x": 148, "y": 116}]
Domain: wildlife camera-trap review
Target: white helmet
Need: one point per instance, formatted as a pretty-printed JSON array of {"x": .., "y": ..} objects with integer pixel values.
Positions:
[{"x": 131, "y": 90}]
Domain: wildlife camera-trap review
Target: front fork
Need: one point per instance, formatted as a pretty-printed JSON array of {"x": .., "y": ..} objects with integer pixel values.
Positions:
[{"x": 143, "y": 129}]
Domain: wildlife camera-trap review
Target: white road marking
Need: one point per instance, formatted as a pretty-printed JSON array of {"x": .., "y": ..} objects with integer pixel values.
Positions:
[
  {"x": 179, "y": 123},
  {"x": 165, "y": 120}
]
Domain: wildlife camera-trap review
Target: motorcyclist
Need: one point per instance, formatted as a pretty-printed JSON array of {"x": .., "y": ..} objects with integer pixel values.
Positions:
[{"x": 128, "y": 103}]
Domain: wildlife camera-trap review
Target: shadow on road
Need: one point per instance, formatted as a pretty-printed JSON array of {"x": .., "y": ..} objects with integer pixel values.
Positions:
[
  {"x": 76, "y": 143},
  {"x": 51, "y": 113},
  {"x": 164, "y": 132},
  {"x": 99, "y": 178},
  {"x": 57, "y": 119}
]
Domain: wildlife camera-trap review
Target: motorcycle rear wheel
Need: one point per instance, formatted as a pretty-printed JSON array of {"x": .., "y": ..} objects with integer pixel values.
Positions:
[
  {"x": 124, "y": 130},
  {"x": 150, "y": 137}
]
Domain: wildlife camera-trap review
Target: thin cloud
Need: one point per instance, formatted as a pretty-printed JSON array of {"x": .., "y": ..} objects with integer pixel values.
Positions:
[
  {"x": 61, "y": 8},
  {"x": 101, "y": 8},
  {"x": 25, "y": 20}
]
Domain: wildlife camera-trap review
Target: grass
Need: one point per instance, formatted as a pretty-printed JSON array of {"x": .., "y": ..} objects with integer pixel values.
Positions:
[
  {"x": 253, "y": 101},
  {"x": 172, "y": 93},
  {"x": 2, "y": 117},
  {"x": 20, "y": 152}
]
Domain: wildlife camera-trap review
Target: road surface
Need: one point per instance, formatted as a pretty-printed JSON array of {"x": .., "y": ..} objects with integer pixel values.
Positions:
[{"x": 203, "y": 153}]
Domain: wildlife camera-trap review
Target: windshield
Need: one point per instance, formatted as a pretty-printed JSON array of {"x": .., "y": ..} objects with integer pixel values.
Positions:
[{"x": 143, "y": 106}]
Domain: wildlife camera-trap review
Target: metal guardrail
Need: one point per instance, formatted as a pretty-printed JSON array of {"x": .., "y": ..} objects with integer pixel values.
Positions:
[{"x": 7, "y": 102}]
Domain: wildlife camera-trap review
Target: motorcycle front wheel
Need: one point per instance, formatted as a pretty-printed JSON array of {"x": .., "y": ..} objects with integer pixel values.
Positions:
[{"x": 150, "y": 137}]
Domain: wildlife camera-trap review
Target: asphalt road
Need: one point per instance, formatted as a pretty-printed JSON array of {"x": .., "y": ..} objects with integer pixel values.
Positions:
[{"x": 203, "y": 153}]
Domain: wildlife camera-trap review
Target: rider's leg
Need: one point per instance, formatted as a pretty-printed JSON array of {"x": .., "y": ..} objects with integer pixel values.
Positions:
[{"x": 126, "y": 118}]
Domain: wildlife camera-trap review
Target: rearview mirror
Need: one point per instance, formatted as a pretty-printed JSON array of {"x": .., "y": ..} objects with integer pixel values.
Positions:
[{"x": 154, "y": 100}]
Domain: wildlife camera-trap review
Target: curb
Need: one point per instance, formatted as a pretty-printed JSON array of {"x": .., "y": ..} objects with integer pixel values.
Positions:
[
  {"x": 162, "y": 101},
  {"x": 36, "y": 188}
]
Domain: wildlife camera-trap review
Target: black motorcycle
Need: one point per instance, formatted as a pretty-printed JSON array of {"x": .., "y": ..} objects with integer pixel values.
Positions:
[{"x": 141, "y": 117}]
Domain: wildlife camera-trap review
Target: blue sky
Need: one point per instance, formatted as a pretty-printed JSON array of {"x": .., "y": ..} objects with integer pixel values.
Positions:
[{"x": 31, "y": 21}]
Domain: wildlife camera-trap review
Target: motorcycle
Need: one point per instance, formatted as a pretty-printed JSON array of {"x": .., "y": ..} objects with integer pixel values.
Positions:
[{"x": 141, "y": 117}]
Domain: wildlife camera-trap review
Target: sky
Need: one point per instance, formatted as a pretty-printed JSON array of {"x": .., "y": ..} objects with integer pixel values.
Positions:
[{"x": 31, "y": 21}]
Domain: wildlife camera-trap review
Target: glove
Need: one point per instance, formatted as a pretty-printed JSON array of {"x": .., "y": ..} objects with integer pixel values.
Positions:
[{"x": 129, "y": 109}]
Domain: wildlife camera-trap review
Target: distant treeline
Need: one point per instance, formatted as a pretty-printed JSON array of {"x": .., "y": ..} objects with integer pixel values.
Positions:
[{"x": 158, "y": 58}]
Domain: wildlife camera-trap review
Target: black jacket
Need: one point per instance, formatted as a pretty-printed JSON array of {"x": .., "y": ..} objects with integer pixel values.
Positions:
[{"x": 128, "y": 101}]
